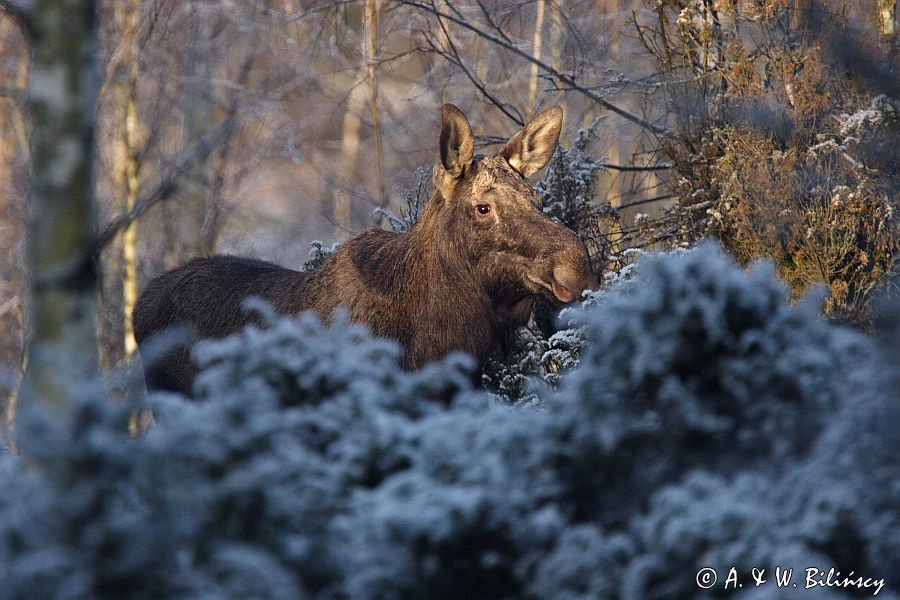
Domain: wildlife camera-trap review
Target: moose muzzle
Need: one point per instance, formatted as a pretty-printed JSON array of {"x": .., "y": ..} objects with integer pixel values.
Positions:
[{"x": 565, "y": 273}]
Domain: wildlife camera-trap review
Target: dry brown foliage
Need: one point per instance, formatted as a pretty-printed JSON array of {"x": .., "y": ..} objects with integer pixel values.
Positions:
[{"x": 786, "y": 140}]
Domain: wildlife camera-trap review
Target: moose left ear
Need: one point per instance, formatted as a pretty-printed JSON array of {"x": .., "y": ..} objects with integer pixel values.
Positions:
[
  {"x": 456, "y": 142},
  {"x": 530, "y": 150}
]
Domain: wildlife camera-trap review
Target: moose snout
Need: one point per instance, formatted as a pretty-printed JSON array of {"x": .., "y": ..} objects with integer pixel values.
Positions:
[
  {"x": 565, "y": 273},
  {"x": 568, "y": 283}
]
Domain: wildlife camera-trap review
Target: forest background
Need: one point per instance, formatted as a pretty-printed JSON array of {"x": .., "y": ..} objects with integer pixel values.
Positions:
[
  {"x": 702, "y": 420},
  {"x": 258, "y": 128}
]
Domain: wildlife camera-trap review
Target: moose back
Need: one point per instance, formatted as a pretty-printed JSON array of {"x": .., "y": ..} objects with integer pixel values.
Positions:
[{"x": 462, "y": 277}]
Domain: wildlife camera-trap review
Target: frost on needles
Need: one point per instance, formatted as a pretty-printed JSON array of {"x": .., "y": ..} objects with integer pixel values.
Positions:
[{"x": 704, "y": 422}]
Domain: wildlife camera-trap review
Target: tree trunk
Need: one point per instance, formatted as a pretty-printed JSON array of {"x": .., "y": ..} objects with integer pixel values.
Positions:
[
  {"x": 536, "y": 53},
  {"x": 62, "y": 99},
  {"x": 887, "y": 17},
  {"x": 557, "y": 41},
  {"x": 14, "y": 156},
  {"x": 117, "y": 178},
  {"x": 350, "y": 134}
]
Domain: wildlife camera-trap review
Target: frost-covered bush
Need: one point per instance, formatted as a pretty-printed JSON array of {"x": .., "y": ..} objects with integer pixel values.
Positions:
[
  {"x": 415, "y": 201},
  {"x": 318, "y": 254},
  {"x": 716, "y": 354},
  {"x": 702, "y": 395},
  {"x": 567, "y": 191},
  {"x": 568, "y": 197},
  {"x": 564, "y": 347},
  {"x": 707, "y": 423},
  {"x": 230, "y": 496}
]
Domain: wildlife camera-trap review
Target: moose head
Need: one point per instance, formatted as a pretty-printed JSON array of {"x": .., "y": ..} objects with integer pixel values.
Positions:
[{"x": 486, "y": 209}]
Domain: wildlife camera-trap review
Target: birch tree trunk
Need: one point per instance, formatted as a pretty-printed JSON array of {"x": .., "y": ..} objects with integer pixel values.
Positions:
[
  {"x": 364, "y": 89},
  {"x": 117, "y": 185},
  {"x": 62, "y": 98},
  {"x": 441, "y": 71},
  {"x": 350, "y": 133},
  {"x": 557, "y": 30},
  {"x": 536, "y": 53},
  {"x": 14, "y": 157}
]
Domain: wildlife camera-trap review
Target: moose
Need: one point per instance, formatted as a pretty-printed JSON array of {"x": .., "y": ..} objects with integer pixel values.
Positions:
[{"x": 463, "y": 277}]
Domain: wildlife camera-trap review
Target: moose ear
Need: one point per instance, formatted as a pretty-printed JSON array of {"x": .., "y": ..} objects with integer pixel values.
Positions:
[
  {"x": 530, "y": 150},
  {"x": 457, "y": 143}
]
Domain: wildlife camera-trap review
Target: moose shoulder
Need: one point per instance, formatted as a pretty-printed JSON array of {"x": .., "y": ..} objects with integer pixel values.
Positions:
[{"x": 465, "y": 275}]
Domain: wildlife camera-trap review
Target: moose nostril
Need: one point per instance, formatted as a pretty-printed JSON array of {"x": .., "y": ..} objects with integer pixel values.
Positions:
[
  {"x": 566, "y": 284},
  {"x": 562, "y": 293}
]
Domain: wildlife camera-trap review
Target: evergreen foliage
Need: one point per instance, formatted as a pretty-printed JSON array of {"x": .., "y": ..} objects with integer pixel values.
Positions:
[{"x": 705, "y": 422}]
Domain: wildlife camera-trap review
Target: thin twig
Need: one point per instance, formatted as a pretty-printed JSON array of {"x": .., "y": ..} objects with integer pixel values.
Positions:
[
  {"x": 457, "y": 60},
  {"x": 566, "y": 79},
  {"x": 662, "y": 167},
  {"x": 646, "y": 201},
  {"x": 167, "y": 188}
]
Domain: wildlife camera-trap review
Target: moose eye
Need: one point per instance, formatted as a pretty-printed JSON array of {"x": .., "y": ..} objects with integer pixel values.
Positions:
[{"x": 483, "y": 209}]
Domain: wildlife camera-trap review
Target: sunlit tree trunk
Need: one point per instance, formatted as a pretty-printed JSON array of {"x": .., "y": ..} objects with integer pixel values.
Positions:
[
  {"x": 536, "y": 53},
  {"x": 557, "y": 40},
  {"x": 61, "y": 99},
  {"x": 13, "y": 189},
  {"x": 887, "y": 16},
  {"x": 441, "y": 71},
  {"x": 118, "y": 187},
  {"x": 610, "y": 182},
  {"x": 350, "y": 138},
  {"x": 364, "y": 90},
  {"x": 129, "y": 237}
]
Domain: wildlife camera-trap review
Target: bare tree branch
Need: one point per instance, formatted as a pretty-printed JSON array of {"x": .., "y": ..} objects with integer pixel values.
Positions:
[
  {"x": 166, "y": 189},
  {"x": 662, "y": 167},
  {"x": 562, "y": 77},
  {"x": 455, "y": 59},
  {"x": 490, "y": 20},
  {"x": 646, "y": 201},
  {"x": 169, "y": 186}
]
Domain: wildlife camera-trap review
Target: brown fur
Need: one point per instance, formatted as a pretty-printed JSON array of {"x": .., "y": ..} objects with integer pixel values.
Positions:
[{"x": 457, "y": 280}]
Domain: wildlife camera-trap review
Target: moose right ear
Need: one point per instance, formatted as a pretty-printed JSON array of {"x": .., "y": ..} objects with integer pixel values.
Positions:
[
  {"x": 456, "y": 143},
  {"x": 530, "y": 149}
]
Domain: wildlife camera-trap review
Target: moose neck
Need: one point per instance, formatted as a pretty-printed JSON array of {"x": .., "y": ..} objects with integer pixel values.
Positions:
[
  {"x": 419, "y": 288},
  {"x": 440, "y": 266}
]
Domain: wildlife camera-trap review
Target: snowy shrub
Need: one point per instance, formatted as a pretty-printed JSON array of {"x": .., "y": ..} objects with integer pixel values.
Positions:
[
  {"x": 565, "y": 345},
  {"x": 318, "y": 254},
  {"x": 230, "y": 496},
  {"x": 567, "y": 191},
  {"x": 716, "y": 354},
  {"x": 568, "y": 196},
  {"x": 415, "y": 201},
  {"x": 706, "y": 422},
  {"x": 514, "y": 377}
]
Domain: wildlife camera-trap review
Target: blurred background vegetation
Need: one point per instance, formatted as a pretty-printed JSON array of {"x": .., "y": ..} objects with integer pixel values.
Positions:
[{"x": 259, "y": 127}]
